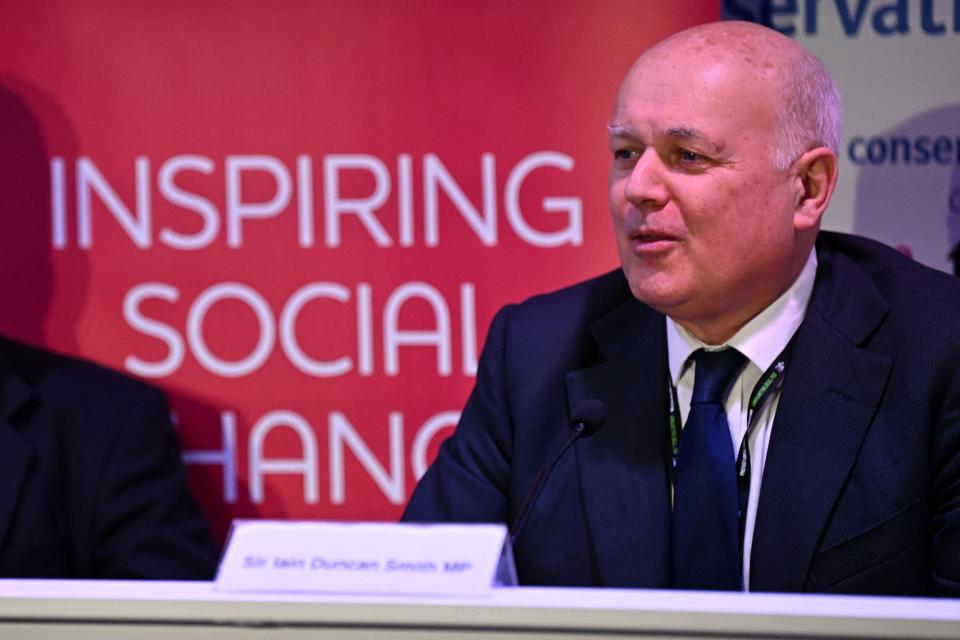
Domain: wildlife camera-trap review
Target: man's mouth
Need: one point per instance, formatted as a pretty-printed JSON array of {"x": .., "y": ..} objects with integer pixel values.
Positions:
[{"x": 649, "y": 241}]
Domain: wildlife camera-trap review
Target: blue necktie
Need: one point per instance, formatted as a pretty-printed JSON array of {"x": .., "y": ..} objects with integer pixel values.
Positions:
[{"x": 705, "y": 546}]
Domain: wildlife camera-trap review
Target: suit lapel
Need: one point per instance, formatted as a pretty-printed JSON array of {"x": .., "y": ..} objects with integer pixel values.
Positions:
[
  {"x": 831, "y": 391},
  {"x": 622, "y": 467},
  {"x": 15, "y": 452}
]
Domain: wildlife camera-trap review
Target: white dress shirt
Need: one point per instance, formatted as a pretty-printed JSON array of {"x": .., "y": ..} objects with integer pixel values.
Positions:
[{"x": 761, "y": 340}]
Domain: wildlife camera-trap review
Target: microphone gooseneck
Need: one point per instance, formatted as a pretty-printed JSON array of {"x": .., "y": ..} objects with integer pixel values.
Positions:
[{"x": 586, "y": 418}]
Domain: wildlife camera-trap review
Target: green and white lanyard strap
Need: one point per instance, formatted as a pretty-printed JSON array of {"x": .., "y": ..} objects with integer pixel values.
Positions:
[{"x": 769, "y": 383}]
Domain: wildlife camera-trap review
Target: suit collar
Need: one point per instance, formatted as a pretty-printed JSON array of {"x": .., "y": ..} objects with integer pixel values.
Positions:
[
  {"x": 617, "y": 332},
  {"x": 622, "y": 467},
  {"x": 832, "y": 388},
  {"x": 844, "y": 296},
  {"x": 15, "y": 390}
]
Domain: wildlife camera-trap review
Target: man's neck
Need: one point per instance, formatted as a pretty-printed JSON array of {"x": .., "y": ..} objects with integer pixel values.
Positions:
[
  {"x": 719, "y": 328},
  {"x": 761, "y": 339},
  {"x": 714, "y": 334}
]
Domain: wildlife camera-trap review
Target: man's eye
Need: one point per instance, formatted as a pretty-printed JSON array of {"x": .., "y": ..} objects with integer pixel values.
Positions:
[
  {"x": 625, "y": 154},
  {"x": 690, "y": 156}
]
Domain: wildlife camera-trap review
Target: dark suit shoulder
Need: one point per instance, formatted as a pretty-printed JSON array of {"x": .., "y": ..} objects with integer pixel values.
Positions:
[
  {"x": 918, "y": 298},
  {"x": 557, "y": 323},
  {"x": 598, "y": 294},
  {"x": 67, "y": 379},
  {"x": 100, "y": 483},
  {"x": 51, "y": 396},
  {"x": 889, "y": 268},
  {"x": 572, "y": 308}
]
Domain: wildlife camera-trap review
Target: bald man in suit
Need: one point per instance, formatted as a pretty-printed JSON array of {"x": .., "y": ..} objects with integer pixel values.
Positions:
[{"x": 833, "y": 458}]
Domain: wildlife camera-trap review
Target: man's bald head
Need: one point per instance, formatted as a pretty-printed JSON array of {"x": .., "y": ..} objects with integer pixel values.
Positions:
[
  {"x": 806, "y": 98},
  {"x": 723, "y": 140}
]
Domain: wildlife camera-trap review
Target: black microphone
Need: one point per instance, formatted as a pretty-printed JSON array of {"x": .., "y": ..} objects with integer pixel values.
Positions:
[{"x": 588, "y": 416}]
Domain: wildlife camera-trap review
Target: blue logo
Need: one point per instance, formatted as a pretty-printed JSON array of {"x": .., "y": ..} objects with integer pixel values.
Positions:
[
  {"x": 905, "y": 150},
  {"x": 884, "y": 17}
]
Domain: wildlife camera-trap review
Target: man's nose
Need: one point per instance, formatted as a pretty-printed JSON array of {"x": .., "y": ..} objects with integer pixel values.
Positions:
[{"x": 645, "y": 187}]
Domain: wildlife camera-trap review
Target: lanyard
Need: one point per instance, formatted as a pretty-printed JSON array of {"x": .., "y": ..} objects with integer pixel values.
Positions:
[{"x": 769, "y": 383}]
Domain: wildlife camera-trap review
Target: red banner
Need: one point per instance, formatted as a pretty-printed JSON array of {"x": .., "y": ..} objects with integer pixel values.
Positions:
[{"x": 298, "y": 218}]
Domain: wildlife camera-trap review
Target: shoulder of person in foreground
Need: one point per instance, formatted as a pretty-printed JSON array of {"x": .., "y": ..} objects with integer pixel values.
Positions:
[{"x": 95, "y": 486}]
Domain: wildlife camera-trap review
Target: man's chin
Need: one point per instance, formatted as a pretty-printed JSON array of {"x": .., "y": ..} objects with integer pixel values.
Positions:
[{"x": 665, "y": 299}]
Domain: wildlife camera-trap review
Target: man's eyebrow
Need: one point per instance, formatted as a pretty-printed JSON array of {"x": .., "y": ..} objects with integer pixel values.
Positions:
[
  {"x": 686, "y": 133},
  {"x": 618, "y": 129},
  {"x": 680, "y": 132},
  {"x": 692, "y": 133}
]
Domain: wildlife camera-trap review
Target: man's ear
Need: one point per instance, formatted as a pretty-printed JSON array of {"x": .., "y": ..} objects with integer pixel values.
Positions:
[{"x": 816, "y": 177}]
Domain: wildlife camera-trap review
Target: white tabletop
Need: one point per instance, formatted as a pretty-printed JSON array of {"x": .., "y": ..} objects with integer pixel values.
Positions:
[{"x": 64, "y": 607}]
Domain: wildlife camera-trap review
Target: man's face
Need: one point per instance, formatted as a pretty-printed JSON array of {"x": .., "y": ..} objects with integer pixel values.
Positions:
[{"x": 704, "y": 223}]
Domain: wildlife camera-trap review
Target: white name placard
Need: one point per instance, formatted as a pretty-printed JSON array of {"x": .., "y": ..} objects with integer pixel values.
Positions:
[{"x": 283, "y": 556}]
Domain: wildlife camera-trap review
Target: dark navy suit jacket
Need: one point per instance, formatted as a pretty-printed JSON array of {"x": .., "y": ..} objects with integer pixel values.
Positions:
[
  {"x": 861, "y": 492},
  {"x": 91, "y": 482}
]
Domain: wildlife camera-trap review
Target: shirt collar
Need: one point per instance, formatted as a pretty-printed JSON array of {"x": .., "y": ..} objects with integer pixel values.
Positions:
[{"x": 763, "y": 337}]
